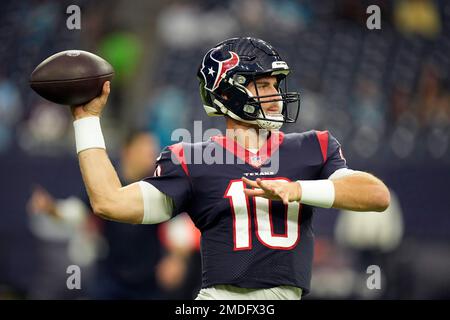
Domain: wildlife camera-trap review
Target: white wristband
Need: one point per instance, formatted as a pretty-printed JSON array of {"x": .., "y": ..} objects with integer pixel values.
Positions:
[
  {"x": 88, "y": 134},
  {"x": 317, "y": 193}
]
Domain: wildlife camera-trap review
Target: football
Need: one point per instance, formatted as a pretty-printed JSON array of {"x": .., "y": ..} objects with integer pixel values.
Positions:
[{"x": 71, "y": 77}]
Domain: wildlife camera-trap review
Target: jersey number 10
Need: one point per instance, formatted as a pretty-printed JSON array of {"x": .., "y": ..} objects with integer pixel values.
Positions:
[{"x": 240, "y": 209}]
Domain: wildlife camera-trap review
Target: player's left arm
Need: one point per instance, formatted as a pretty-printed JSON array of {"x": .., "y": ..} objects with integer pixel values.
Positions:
[
  {"x": 337, "y": 187},
  {"x": 359, "y": 191}
]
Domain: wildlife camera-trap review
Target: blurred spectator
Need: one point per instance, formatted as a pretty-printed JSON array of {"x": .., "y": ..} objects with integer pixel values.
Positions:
[
  {"x": 128, "y": 255},
  {"x": 419, "y": 17},
  {"x": 367, "y": 107},
  {"x": 368, "y": 115},
  {"x": 179, "y": 272},
  {"x": 431, "y": 101},
  {"x": 374, "y": 237},
  {"x": 10, "y": 102},
  {"x": 374, "y": 231},
  {"x": 40, "y": 21},
  {"x": 124, "y": 51},
  {"x": 400, "y": 102},
  {"x": 333, "y": 276},
  {"x": 183, "y": 25},
  {"x": 251, "y": 14},
  {"x": 45, "y": 132},
  {"x": 128, "y": 269},
  {"x": 65, "y": 236},
  {"x": 289, "y": 15},
  {"x": 167, "y": 113},
  {"x": 10, "y": 111}
]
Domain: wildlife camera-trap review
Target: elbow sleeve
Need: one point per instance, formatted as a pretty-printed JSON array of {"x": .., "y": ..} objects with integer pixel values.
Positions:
[
  {"x": 158, "y": 207},
  {"x": 343, "y": 172}
]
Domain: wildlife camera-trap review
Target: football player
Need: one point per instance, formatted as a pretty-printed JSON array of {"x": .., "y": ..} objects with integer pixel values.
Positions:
[{"x": 256, "y": 235}]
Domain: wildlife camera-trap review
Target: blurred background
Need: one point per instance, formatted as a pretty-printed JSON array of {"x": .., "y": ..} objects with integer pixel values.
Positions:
[{"x": 384, "y": 94}]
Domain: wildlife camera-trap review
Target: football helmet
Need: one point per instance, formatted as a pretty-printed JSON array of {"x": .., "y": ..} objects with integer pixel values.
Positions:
[{"x": 226, "y": 71}]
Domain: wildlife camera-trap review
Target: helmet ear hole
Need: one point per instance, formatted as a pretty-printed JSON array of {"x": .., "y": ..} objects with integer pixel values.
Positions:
[{"x": 249, "y": 109}]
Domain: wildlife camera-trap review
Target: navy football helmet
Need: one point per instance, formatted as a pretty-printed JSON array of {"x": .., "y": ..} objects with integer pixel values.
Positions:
[{"x": 226, "y": 71}]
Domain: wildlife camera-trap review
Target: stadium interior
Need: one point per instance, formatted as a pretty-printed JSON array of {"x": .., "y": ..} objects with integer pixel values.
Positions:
[{"x": 384, "y": 94}]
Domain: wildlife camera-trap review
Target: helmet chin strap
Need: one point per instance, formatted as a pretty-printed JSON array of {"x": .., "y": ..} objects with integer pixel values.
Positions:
[
  {"x": 271, "y": 125},
  {"x": 267, "y": 123}
]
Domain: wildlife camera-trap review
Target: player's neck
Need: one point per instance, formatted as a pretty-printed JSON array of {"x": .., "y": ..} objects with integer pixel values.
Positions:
[{"x": 247, "y": 135}]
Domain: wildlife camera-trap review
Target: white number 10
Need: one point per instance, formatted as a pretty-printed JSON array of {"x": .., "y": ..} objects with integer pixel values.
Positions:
[{"x": 240, "y": 209}]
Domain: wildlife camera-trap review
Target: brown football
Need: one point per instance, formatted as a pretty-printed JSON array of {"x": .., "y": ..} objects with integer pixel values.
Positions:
[{"x": 71, "y": 77}]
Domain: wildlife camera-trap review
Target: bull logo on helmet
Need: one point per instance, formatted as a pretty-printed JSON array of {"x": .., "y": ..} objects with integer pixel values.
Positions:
[{"x": 215, "y": 65}]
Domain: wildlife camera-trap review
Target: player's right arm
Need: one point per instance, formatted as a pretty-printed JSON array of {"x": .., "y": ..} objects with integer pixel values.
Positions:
[{"x": 108, "y": 198}]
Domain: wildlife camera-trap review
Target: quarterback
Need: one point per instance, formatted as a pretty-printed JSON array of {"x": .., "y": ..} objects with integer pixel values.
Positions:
[{"x": 254, "y": 214}]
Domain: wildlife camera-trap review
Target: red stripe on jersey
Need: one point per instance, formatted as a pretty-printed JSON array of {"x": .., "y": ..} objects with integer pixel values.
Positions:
[
  {"x": 322, "y": 136},
  {"x": 255, "y": 160},
  {"x": 178, "y": 150}
]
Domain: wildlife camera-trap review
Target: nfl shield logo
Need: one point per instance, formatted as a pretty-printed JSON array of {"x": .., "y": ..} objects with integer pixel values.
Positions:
[{"x": 255, "y": 160}]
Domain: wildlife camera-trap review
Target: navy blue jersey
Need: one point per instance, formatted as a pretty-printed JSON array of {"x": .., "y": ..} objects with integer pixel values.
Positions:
[{"x": 248, "y": 242}]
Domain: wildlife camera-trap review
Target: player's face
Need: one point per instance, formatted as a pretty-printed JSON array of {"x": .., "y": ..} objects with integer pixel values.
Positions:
[{"x": 267, "y": 86}]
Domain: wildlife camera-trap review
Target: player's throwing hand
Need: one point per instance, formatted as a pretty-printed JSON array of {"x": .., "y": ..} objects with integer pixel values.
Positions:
[
  {"x": 273, "y": 190},
  {"x": 94, "y": 107}
]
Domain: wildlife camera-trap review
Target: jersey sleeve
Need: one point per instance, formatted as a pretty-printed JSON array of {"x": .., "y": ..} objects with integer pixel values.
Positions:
[
  {"x": 171, "y": 178},
  {"x": 333, "y": 158}
]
